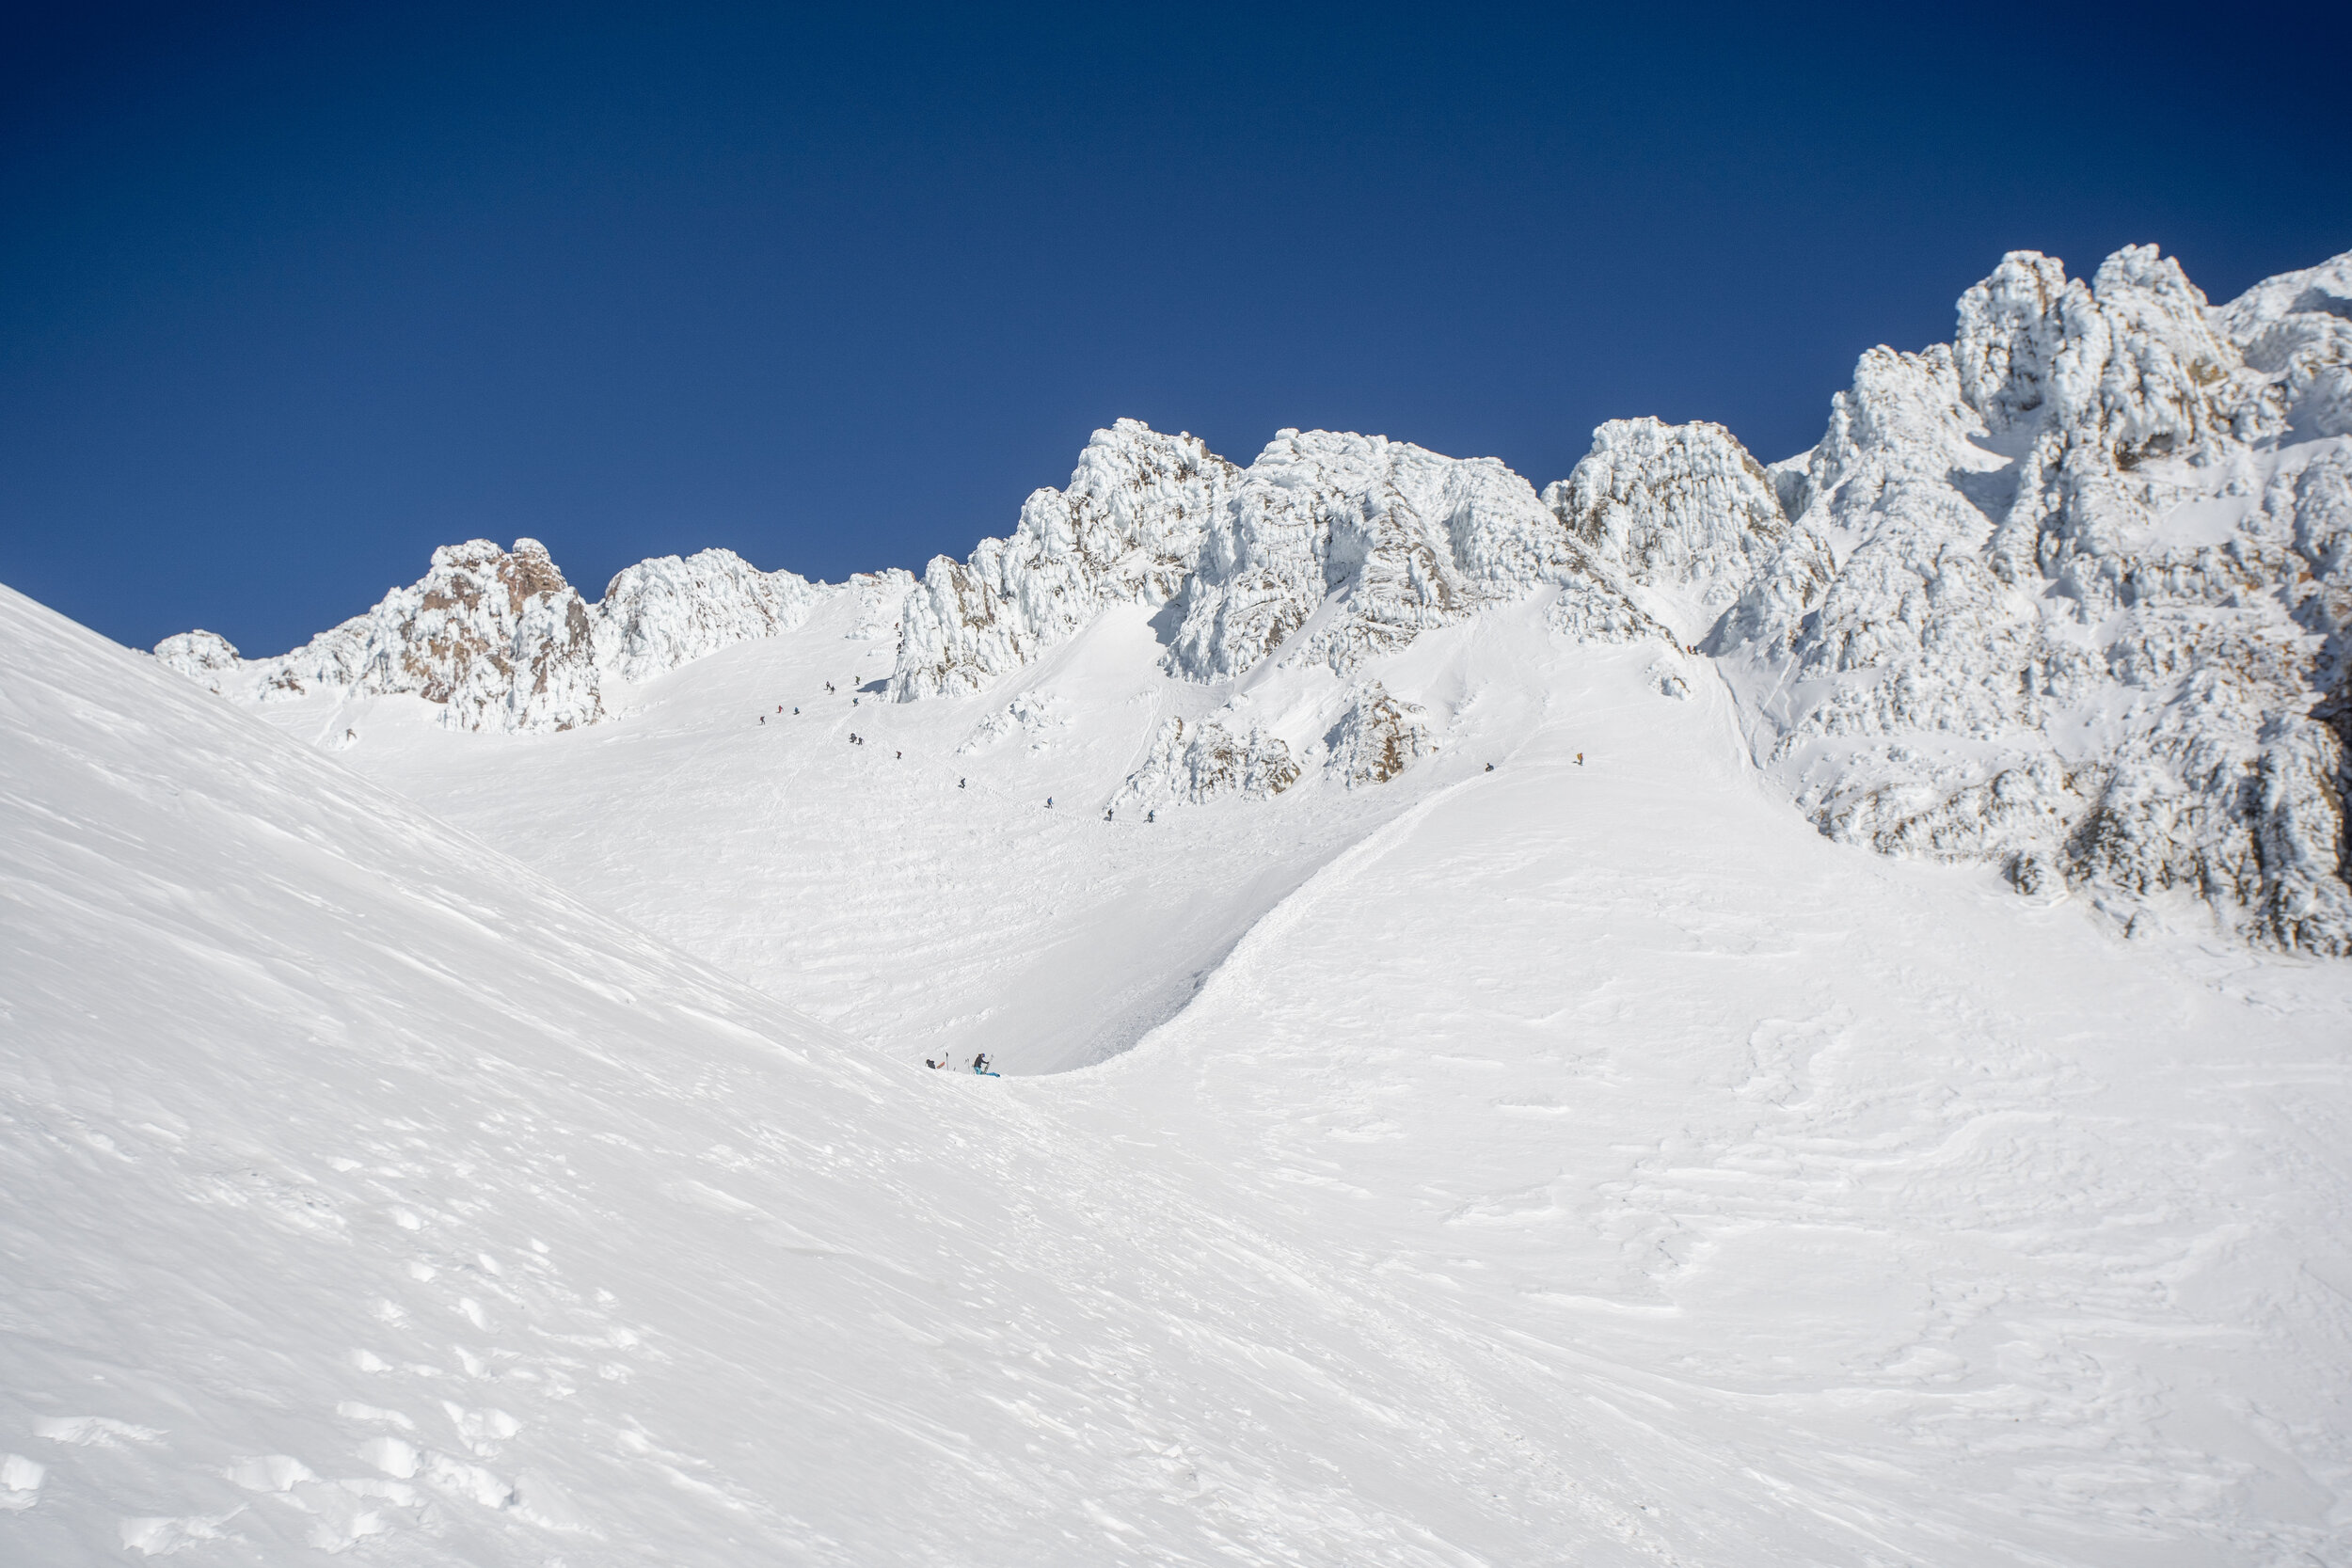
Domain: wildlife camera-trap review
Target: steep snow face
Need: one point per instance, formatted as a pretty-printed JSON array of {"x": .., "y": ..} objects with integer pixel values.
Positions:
[
  {"x": 881, "y": 599},
  {"x": 660, "y": 613},
  {"x": 1680, "y": 510},
  {"x": 501, "y": 641},
  {"x": 2061, "y": 595},
  {"x": 1124, "y": 532}
]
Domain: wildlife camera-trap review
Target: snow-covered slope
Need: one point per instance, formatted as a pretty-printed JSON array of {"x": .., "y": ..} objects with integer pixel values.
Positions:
[
  {"x": 1730, "y": 1195},
  {"x": 1455, "y": 1111},
  {"x": 365, "y": 1192}
]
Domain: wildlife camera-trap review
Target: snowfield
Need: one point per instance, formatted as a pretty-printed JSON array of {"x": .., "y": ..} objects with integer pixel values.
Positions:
[{"x": 1471, "y": 1094}]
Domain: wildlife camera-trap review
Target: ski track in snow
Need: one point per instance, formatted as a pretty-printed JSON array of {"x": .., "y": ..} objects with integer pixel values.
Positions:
[{"x": 1573, "y": 1163}]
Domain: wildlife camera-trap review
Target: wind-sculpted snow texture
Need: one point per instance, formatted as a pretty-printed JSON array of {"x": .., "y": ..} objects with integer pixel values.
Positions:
[
  {"x": 660, "y": 613},
  {"x": 2073, "y": 592},
  {"x": 1124, "y": 532},
  {"x": 501, "y": 642}
]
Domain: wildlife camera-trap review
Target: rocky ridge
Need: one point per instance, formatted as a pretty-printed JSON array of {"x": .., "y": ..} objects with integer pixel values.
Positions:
[
  {"x": 2068, "y": 593},
  {"x": 501, "y": 642}
]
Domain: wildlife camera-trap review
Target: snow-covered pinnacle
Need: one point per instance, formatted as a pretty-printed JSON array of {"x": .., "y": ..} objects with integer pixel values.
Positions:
[
  {"x": 2061, "y": 595},
  {"x": 203, "y": 657},
  {"x": 661, "y": 613},
  {"x": 1124, "y": 532},
  {"x": 1680, "y": 510},
  {"x": 497, "y": 637}
]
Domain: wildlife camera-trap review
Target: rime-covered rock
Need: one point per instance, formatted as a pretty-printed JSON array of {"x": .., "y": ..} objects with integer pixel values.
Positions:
[
  {"x": 205, "y": 657},
  {"x": 498, "y": 637},
  {"x": 1680, "y": 511},
  {"x": 2297, "y": 328},
  {"x": 501, "y": 641},
  {"x": 1336, "y": 549},
  {"x": 1125, "y": 530},
  {"x": 667, "y": 612},
  {"x": 1226, "y": 753},
  {"x": 2069, "y": 594},
  {"x": 1372, "y": 541},
  {"x": 1376, "y": 739}
]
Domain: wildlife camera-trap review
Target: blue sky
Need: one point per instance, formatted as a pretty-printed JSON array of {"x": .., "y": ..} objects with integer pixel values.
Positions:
[{"x": 291, "y": 293}]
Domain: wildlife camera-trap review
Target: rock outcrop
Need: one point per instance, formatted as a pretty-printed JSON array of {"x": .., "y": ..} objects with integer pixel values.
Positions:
[
  {"x": 497, "y": 637},
  {"x": 1351, "y": 546},
  {"x": 1681, "y": 512},
  {"x": 1126, "y": 531},
  {"x": 1226, "y": 753},
  {"x": 2071, "y": 593},
  {"x": 501, "y": 641},
  {"x": 1376, "y": 739}
]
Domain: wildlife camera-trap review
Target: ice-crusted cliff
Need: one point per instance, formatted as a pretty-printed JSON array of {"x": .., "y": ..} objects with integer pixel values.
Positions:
[
  {"x": 501, "y": 642},
  {"x": 2072, "y": 592},
  {"x": 1126, "y": 531},
  {"x": 1340, "y": 546},
  {"x": 1345, "y": 546}
]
